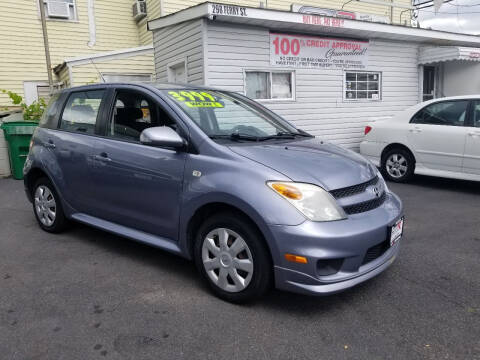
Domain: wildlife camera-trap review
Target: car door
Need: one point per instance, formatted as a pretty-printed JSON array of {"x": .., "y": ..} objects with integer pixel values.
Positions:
[
  {"x": 437, "y": 135},
  {"x": 138, "y": 186},
  {"x": 73, "y": 144},
  {"x": 471, "y": 161}
]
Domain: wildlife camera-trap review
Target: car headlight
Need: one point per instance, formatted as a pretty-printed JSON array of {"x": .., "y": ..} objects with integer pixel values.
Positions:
[
  {"x": 312, "y": 201},
  {"x": 384, "y": 183}
]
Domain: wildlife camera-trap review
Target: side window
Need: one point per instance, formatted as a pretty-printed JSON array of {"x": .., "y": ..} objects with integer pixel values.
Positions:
[
  {"x": 449, "y": 113},
  {"x": 51, "y": 112},
  {"x": 476, "y": 113},
  {"x": 134, "y": 112},
  {"x": 81, "y": 111}
]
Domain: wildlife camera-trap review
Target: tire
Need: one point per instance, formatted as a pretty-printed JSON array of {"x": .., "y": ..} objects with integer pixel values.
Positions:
[
  {"x": 47, "y": 207},
  {"x": 398, "y": 165},
  {"x": 226, "y": 268}
]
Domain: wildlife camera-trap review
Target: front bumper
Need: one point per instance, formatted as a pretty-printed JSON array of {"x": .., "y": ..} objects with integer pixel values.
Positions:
[{"x": 347, "y": 244}]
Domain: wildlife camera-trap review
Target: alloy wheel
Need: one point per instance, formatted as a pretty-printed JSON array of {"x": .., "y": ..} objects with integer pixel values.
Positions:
[
  {"x": 396, "y": 166},
  {"x": 227, "y": 260},
  {"x": 45, "y": 205}
]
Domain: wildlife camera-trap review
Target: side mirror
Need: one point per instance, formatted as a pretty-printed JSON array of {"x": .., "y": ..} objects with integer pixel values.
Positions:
[{"x": 161, "y": 136}]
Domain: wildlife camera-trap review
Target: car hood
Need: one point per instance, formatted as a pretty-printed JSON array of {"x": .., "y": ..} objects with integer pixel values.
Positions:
[{"x": 310, "y": 161}]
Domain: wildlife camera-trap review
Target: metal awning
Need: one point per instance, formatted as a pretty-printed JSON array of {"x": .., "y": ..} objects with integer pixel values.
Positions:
[
  {"x": 307, "y": 23},
  {"x": 434, "y": 54}
]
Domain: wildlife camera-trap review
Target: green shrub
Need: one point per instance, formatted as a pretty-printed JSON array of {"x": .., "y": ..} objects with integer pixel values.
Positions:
[{"x": 32, "y": 112}]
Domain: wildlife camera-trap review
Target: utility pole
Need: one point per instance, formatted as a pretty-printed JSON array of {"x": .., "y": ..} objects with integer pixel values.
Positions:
[{"x": 45, "y": 44}]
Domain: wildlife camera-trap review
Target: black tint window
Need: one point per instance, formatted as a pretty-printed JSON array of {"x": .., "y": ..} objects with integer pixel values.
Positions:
[
  {"x": 81, "y": 111},
  {"x": 450, "y": 113},
  {"x": 476, "y": 114},
  {"x": 50, "y": 114},
  {"x": 133, "y": 113}
]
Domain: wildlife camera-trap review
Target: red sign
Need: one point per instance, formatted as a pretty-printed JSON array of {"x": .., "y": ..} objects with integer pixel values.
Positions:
[
  {"x": 304, "y": 51},
  {"x": 323, "y": 21}
]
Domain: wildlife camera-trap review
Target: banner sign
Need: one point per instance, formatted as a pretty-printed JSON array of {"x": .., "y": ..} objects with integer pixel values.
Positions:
[
  {"x": 304, "y": 9},
  {"x": 313, "y": 52}
]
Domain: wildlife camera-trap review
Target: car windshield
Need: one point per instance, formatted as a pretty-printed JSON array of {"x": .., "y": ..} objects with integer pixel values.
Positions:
[{"x": 225, "y": 115}]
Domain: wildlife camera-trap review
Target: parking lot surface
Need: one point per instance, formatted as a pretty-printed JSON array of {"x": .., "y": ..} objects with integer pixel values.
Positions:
[{"x": 87, "y": 294}]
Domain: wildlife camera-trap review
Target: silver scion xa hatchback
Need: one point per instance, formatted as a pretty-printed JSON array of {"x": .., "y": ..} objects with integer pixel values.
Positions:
[{"x": 217, "y": 178}]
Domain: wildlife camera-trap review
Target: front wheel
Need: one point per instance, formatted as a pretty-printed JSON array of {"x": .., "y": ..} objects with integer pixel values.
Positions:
[
  {"x": 232, "y": 258},
  {"x": 398, "y": 165}
]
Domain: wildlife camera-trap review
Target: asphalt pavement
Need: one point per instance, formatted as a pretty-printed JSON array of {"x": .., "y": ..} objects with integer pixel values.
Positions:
[{"x": 87, "y": 294}]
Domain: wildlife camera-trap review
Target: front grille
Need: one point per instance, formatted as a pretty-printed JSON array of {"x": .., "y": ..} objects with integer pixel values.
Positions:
[
  {"x": 366, "y": 205},
  {"x": 375, "y": 252},
  {"x": 352, "y": 190}
]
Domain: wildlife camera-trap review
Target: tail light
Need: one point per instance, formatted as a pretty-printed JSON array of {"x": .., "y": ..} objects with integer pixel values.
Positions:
[{"x": 367, "y": 129}]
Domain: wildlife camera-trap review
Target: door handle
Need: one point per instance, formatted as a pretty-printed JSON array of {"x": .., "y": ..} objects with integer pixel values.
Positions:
[
  {"x": 102, "y": 157},
  {"x": 416, "y": 129},
  {"x": 49, "y": 144},
  {"x": 474, "y": 133}
]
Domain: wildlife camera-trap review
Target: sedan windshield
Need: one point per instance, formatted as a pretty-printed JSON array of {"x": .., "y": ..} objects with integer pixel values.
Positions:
[{"x": 225, "y": 115}]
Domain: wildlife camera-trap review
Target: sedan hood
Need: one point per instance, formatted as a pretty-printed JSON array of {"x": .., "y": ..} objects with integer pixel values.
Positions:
[{"x": 310, "y": 161}]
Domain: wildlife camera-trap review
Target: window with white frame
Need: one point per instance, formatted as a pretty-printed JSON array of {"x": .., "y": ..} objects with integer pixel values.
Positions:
[
  {"x": 363, "y": 85},
  {"x": 60, "y": 9},
  {"x": 266, "y": 85}
]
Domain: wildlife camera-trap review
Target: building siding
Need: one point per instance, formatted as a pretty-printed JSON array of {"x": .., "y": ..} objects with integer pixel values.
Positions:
[
  {"x": 22, "y": 54},
  {"x": 178, "y": 42},
  {"x": 153, "y": 12},
  {"x": 318, "y": 107},
  {"x": 89, "y": 73}
]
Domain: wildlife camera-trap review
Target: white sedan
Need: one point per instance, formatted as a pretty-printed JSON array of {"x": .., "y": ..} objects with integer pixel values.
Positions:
[{"x": 440, "y": 137}]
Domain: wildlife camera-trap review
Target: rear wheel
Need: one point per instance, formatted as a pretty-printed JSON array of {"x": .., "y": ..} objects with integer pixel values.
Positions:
[
  {"x": 398, "y": 165},
  {"x": 47, "y": 207},
  {"x": 232, "y": 258}
]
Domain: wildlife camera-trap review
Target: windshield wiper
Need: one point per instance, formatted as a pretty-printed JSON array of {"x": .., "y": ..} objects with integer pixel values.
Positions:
[
  {"x": 280, "y": 136},
  {"x": 299, "y": 133},
  {"x": 235, "y": 137}
]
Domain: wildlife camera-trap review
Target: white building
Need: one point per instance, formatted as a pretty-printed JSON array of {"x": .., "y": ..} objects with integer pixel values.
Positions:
[{"x": 329, "y": 76}]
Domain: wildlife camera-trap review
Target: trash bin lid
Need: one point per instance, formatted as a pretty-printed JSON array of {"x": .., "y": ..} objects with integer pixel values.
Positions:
[{"x": 19, "y": 127}]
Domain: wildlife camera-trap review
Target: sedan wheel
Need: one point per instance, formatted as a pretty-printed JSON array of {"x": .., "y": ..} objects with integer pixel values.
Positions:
[
  {"x": 396, "y": 166},
  {"x": 227, "y": 260}
]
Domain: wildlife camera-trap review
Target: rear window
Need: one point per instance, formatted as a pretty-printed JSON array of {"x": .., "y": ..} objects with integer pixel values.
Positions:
[
  {"x": 51, "y": 112},
  {"x": 81, "y": 111}
]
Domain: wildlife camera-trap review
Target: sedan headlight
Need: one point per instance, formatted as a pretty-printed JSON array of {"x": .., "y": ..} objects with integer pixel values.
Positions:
[{"x": 311, "y": 200}]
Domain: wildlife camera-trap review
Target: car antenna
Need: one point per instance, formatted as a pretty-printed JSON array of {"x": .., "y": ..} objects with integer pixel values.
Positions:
[{"x": 99, "y": 73}]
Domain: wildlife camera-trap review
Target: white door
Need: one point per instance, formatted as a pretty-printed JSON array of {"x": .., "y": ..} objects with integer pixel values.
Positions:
[
  {"x": 177, "y": 73},
  {"x": 437, "y": 135},
  {"x": 471, "y": 161}
]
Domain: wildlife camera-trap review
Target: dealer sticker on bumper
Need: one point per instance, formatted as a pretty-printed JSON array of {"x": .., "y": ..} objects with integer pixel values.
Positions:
[{"x": 396, "y": 232}]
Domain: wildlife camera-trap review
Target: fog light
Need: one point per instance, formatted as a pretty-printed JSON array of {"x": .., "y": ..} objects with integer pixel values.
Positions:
[
  {"x": 329, "y": 266},
  {"x": 296, "y": 258}
]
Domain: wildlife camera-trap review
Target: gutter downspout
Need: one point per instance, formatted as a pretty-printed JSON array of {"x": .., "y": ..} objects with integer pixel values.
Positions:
[
  {"x": 162, "y": 13},
  {"x": 91, "y": 24}
]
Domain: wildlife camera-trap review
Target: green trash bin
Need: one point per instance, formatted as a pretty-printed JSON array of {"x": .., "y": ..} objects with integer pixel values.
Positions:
[{"x": 18, "y": 135}]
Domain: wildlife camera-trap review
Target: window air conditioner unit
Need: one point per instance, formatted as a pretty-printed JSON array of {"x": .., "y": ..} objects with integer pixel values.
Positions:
[
  {"x": 139, "y": 9},
  {"x": 58, "y": 9}
]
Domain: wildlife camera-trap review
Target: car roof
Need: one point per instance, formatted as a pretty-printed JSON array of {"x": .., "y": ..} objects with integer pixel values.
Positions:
[{"x": 149, "y": 85}]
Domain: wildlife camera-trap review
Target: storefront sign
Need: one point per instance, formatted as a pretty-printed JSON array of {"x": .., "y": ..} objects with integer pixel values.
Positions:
[
  {"x": 313, "y": 10},
  {"x": 314, "y": 52}
]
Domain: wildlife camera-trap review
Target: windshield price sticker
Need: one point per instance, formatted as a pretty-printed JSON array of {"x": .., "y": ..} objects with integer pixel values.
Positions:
[{"x": 195, "y": 99}]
